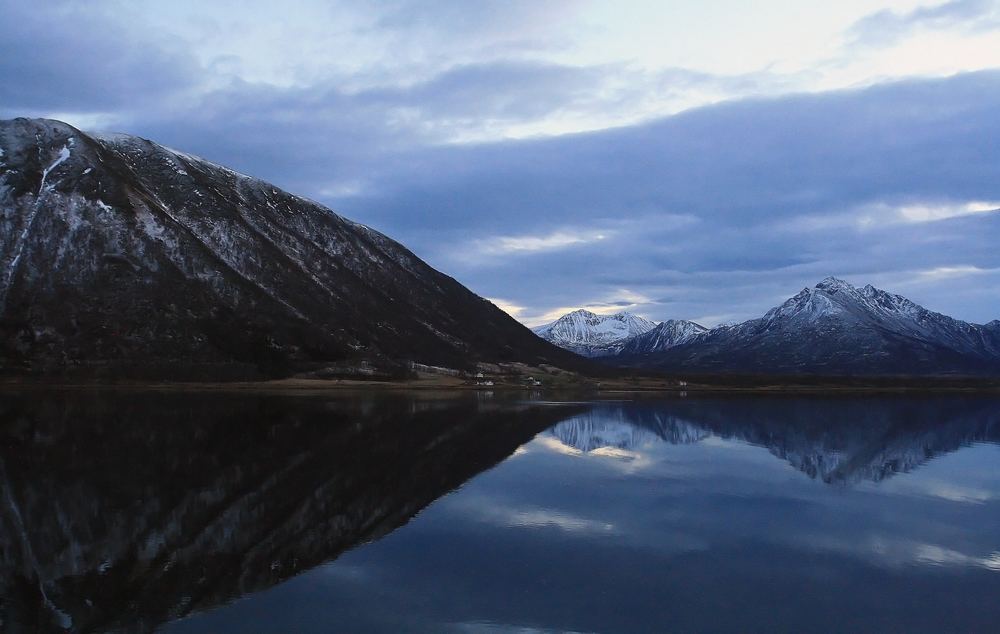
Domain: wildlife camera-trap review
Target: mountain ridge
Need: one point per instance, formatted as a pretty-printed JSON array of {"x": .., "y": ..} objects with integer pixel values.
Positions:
[
  {"x": 666, "y": 334},
  {"x": 121, "y": 256},
  {"x": 591, "y": 335},
  {"x": 836, "y": 328}
]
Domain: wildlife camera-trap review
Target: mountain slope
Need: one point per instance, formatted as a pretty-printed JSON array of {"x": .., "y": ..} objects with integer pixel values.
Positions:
[
  {"x": 120, "y": 255},
  {"x": 837, "y": 329},
  {"x": 667, "y": 334},
  {"x": 592, "y": 335}
]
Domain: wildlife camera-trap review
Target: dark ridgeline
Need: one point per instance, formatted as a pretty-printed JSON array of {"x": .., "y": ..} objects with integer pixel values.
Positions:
[
  {"x": 832, "y": 329},
  {"x": 123, "y": 511},
  {"x": 121, "y": 257}
]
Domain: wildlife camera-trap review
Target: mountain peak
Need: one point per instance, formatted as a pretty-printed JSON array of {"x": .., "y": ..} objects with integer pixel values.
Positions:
[
  {"x": 834, "y": 284},
  {"x": 667, "y": 334},
  {"x": 42, "y": 124},
  {"x": 592, "y": 335}
]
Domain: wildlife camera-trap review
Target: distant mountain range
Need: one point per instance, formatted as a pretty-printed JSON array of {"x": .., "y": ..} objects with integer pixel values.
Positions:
[
  {"x": 833, "y": 328},
  {"x": 121, "y": 256}
]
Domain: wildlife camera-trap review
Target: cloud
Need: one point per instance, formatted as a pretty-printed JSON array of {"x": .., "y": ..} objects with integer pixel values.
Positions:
[
  {"x": 460, "y": 152},
  {"x": 489, "y": 23},
  {"x": 498, "y": 513},
  {"x": 508, "y": 307},
  {"x": 886, "y": 27},
  {"x": 939, "y": 556},
  {"x": 326, "y": 141},
  {"x": 945, "y": 272},
  {"x": 930, "y": 212},
  {"x": 556, "y": 241},
  {"x": 722, "y": 210},
  {"x": 67, "y": 56}
]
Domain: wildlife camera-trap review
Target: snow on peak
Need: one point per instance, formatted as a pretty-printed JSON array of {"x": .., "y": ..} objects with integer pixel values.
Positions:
[
  {"x": 834, "y": 297},
  {"x": 834, "y": 284},
  {"x": 670, "y": 333},
  {"x": 593, "y": 335}
]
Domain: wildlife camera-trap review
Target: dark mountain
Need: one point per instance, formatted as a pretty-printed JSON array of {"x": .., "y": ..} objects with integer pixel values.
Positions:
[
  {"x": 837, "y": 329},
  {"x": 667, "y": 334},
  {"x": 121, "y": 256},
  {"x": 122, "y": 511}
]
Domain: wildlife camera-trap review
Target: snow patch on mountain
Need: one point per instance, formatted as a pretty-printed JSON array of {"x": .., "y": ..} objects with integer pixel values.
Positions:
[
  {"x": 592, "y": 335},
  {"x": 670, "y": 333},
  {"x": 63, "y": 155}
]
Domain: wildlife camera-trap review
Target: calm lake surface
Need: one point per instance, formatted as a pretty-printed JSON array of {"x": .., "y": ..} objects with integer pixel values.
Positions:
[{"x": 140, "y": 512}]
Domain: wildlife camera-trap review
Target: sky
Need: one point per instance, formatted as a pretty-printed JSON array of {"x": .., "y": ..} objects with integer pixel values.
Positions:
[{"x": 678, "y": 160}]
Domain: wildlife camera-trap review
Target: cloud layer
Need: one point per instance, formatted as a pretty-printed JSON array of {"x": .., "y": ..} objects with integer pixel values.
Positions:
[{"x": 497, "y": 145}]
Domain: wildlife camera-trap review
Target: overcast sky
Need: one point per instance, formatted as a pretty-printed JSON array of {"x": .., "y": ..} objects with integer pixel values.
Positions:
[{"x": 697, "y": 160}]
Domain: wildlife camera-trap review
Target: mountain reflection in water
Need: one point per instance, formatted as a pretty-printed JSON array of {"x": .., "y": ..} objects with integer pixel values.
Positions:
[
  {"x": 126, "y": 511},
  {"x": 836, "y": 440},
  {"x": 120, "y": 512}
]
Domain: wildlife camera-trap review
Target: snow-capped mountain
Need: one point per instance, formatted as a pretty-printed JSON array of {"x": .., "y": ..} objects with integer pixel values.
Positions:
[
  {"x": 120, "y": 255},
  {"x": 667, "y": 334},
  {"x": 837, "y": 328},
  {"x": 592, "y": 335}
]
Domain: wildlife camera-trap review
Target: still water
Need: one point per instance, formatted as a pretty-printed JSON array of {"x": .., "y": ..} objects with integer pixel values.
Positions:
[{"x": 138, "y": 512}]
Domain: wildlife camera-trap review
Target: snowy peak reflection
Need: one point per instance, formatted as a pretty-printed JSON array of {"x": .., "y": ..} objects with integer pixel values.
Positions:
[
  {"x": 625, "y": 427},
  {"x": 836, "y": 440}
]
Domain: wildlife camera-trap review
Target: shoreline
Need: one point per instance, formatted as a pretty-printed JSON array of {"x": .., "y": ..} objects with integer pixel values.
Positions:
[{"x": 448, "y": 384}]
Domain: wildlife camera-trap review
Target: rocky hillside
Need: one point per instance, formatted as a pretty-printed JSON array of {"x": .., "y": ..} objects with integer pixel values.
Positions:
[{"x": 119, "y": 256}]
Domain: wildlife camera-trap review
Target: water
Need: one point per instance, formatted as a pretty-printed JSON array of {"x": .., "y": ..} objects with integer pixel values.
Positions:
[{"x": 479, "y": 513}]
